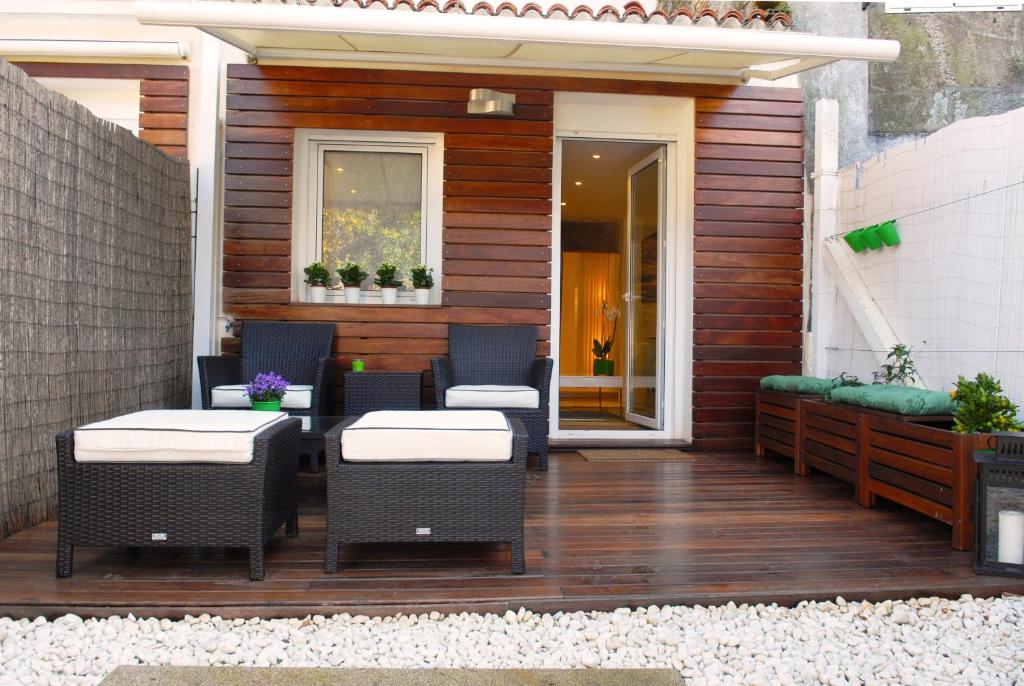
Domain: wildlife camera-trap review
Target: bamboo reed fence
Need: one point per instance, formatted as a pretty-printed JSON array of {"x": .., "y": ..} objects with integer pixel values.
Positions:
[{"x": 95, "y": 283}]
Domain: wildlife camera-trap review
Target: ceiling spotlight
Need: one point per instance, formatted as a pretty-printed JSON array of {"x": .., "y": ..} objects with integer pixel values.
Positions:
[
  {"x": 563, "y": 204},
  {"x": 352, "y": 191},
  {"x": 579, "y": 183},
  {"x": 339, "y": 169},
  {"x": 596, "y": 156}
]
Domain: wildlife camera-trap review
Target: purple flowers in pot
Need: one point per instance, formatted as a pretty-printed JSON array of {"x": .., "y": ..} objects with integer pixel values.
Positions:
[{"x": 267, "y": 386}]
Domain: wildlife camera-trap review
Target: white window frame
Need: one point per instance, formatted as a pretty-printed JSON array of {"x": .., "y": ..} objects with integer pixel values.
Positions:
[{"x": 307, "y": 194}]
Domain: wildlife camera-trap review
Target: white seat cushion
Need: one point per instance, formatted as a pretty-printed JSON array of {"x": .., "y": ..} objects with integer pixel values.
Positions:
[
  {"x": 510, "y": 397},
  {"x": 432, "y": 436},
  {"x": 174, "y": 436},
  {"x": 296, "y": 397}
]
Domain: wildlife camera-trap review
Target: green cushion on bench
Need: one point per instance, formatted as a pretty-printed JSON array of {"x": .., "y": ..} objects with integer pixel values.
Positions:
[
  {"x": 806, "y": 385},
  {"x": 913, "y": 402}
]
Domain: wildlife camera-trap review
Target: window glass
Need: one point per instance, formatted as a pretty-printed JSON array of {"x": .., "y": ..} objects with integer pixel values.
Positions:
[{"x": 372, "y": 210}]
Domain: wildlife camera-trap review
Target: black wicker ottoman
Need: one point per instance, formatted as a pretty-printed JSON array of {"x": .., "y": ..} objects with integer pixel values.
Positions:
[
  {"x": 175, "y": 495},
  {"x": 396, "y": 478}
]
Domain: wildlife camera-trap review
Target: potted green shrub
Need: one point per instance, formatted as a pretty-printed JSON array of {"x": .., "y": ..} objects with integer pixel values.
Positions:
[
  {"x": 266, "y": 391},
  {"x": 603, "y": 346},
  {"x": 318, "y": 279},
  {"x": 981, "y": 407},
  {"x": 422, "y": 282},
  {"x": 352, "y": 275},
  {"x": 388, "y": 281}
]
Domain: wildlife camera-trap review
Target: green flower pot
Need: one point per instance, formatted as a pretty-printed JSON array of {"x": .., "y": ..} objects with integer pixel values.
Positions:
[
  {"x": 604, "y": 367},
  {"x": 267, "y": 405},
  {"x": 888, "y": 233},
  {"x": 871, "y": 237},
  {"x": 855, "y": 239}
]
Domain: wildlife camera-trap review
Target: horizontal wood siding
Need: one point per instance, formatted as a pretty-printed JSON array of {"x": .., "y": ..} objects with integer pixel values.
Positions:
[
  {"x": 497, "y": 248},
  {"x": 163, "y": 96},
  {"x": 748, "y": 257},
  {"x": 497, "y": 204}
]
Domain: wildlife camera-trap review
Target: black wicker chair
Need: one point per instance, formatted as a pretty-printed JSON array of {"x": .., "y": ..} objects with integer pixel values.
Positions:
[
  {"x": 193, "y": 505},
  {"x": 499, "y": 355},
  {"x": 300, "y": 352}
]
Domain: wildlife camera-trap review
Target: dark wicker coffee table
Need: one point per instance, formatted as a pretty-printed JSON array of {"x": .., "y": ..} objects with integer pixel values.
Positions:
[{"x": 312, "y": 438}]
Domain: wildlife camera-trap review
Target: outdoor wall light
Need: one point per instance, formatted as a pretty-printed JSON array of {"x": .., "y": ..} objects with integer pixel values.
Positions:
[
  {"x": 999, "y": 508},
  {"x": 486, "y": 101}
]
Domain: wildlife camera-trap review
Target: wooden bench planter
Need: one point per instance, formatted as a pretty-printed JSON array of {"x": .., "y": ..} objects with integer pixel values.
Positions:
[
  {"x": 830, "y": 438},
  {"x": 926, "y": 468},
  {"x": 777, "y": 425}
]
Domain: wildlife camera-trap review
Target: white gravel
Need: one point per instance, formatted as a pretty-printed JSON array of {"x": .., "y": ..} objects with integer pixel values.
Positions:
[{"x": 922, "y": 641}]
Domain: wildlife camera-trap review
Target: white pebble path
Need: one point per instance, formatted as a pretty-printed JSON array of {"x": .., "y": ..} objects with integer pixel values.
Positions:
[{"x": 921, "y": 641}]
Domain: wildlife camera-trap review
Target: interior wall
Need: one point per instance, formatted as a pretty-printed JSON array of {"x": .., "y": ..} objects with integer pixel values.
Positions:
[
  {"x": 95, "y": 294},
  {"x": 588, "y": 278}
]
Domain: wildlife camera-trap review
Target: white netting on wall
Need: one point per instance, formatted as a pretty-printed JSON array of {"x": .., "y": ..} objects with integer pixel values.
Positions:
[{"x": 954, "y": 288}]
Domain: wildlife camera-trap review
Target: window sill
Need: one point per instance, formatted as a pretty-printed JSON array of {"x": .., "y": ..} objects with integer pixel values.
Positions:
[{"x": 375, "y": 306}]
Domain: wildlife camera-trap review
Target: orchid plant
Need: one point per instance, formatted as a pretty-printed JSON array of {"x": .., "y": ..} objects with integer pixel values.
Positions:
[
  {"x": 266, "y": 387},
  {"x": 603, "y": 347}
]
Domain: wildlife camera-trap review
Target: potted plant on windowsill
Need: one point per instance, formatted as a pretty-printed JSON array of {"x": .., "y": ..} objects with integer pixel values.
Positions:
[
  {"x": 318, "y": 279},
  {"x": 603, "y": 346},
  {"x": 266, "y": 391},
  {"x": 388, "y": 281},
  {"x": 422, "y": 282},
  {"x": 351, "y": 275}
]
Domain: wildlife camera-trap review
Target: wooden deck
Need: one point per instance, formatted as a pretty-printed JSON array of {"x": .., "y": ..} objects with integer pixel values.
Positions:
[{"x": 708, "y": 529}]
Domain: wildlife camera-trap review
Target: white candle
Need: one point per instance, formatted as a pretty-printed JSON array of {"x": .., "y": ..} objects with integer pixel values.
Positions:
[{"x": 1011, "y": 537}]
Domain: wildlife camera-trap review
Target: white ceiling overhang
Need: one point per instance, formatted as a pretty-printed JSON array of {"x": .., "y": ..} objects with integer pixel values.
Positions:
[{"x": 355, "y": 34}]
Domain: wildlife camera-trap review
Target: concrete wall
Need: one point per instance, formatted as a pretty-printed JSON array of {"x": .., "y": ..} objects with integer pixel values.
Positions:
[{"x": 952, "y": 66}]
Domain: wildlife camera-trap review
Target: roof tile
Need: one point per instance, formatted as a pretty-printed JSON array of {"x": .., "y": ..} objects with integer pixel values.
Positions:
[{"x": 631, "y": 12}]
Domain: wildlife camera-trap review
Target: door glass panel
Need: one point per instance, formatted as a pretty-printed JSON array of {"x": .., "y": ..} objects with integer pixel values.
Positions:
[{"x": 645, "y": 219}]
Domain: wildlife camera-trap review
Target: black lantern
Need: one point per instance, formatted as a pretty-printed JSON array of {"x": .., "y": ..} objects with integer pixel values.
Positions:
[{"x": 999, "y": 508}]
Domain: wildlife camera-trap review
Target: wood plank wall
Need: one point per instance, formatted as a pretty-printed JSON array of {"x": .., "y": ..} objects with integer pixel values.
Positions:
[
  {"x": 748, "y": 245},
  {"x": 163, "y": 98},
  {"x": 497, "y": 205}
]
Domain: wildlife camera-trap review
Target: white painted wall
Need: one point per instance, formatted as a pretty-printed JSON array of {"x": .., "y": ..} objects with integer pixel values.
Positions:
[
  {"x": 954, "y": 289},
  {"x": 115, "y": 100}
]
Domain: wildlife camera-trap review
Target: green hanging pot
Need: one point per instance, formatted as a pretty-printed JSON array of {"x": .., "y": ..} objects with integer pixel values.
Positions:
[
  {"x": 888, "y": 233},
  {"x": 871, "y": 237},
  {"x": 267, "y": 405},
  {"x": 855, "y": 240}
]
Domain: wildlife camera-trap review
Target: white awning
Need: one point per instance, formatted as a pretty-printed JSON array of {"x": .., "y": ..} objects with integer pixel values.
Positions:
[{"x": 402, "y": 36}]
